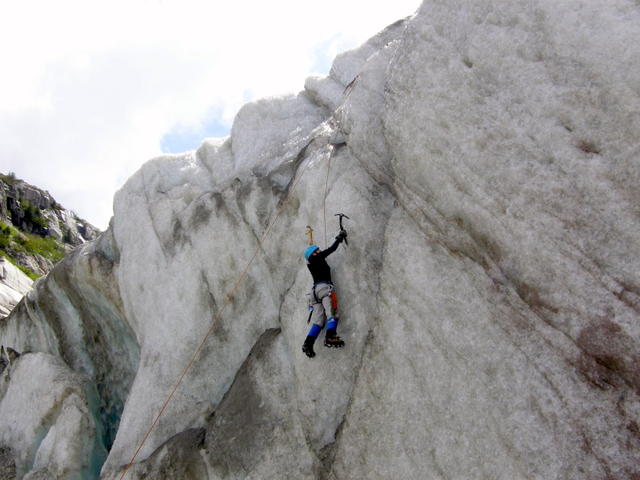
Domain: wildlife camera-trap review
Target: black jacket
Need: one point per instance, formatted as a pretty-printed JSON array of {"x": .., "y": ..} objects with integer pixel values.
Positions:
[{"x": 318, "y": 266}]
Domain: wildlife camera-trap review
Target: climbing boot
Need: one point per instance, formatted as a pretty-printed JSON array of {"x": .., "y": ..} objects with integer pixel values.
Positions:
[
  {"x": 307, "y": 347},
  {"x": 333, "y": 340}
]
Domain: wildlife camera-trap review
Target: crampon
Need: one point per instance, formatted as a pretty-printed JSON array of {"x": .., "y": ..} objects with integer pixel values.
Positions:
[{"x": 336, "y": 342}]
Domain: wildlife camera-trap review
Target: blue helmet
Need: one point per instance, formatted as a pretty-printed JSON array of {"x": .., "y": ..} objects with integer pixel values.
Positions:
[{"x": 309, "y": 251}]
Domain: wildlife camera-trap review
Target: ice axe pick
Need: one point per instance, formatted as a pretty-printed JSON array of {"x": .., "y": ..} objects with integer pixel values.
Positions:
[{"x": 342, "y": 215}]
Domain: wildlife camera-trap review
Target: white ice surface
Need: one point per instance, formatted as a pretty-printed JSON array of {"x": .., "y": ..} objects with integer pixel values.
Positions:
[
  {"x": 490, "y": 293},
  {"x": 45, "y": 418},
  {"x": 13, "y": 286}
]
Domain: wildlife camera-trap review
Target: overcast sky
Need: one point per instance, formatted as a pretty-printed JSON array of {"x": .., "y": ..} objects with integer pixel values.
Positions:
[{"x": 90, "y": 90}]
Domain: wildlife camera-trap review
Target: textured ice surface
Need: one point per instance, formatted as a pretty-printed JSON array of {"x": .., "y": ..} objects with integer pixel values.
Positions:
[
  {"x": 45, "y": 420},
  {"x": 13, "y": 286},
  {"x": 487, "y": 155},
  {"x": 75, "y": 315}
]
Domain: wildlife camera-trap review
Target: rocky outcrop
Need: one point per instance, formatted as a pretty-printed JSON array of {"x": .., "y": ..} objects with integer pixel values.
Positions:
[
  {"x": 35, "y": 232},
  {"x": 18, "y": 197},
  {"x": 486, "y": 154},
  {"x": 33, "y": 211}
]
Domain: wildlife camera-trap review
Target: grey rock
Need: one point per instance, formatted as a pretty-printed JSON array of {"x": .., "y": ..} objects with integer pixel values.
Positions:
[
  {"x": 179, "y": 457},
  {"x": 36, "y": 263},
  {"x": 7, "y": 464},
  {"x": 11, "y": 354}
]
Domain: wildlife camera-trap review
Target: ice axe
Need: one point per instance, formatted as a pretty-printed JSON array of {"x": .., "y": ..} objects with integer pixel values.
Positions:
[
  {"x": 342, "y": 215},
  {"x": 310, "y": 235}
]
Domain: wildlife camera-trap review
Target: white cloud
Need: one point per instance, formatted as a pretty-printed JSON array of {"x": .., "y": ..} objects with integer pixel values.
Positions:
[{"x": 89, "y": 88}]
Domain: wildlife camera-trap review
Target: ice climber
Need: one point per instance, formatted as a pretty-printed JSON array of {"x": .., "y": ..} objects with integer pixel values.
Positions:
[{"x": 323, "y": 299}]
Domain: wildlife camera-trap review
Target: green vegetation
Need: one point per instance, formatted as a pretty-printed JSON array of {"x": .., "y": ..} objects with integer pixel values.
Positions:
[
  {"x": 12, "y": 242},
  {"x": 5, "y": 235},
  {"x": 47, "y": 247},
  {"x": 10, "y": 179},
  {"x": 66, "y": 235},
  {"x": 33, "y": 214}
]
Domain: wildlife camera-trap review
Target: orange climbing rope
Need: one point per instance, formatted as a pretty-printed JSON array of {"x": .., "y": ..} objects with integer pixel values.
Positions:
[{"x": 228, "y": 298}]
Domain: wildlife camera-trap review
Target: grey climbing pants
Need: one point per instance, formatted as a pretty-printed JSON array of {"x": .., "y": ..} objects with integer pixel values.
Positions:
[{"x": 324, "y": 301}]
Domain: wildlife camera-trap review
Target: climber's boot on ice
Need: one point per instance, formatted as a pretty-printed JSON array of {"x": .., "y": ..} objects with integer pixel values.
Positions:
[
  {"x": 307, "y": 347},
  {"x": 333, "y": 340}
]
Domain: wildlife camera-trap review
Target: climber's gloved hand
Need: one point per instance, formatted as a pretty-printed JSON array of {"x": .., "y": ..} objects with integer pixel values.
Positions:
[{"x": 341, "y": 236}]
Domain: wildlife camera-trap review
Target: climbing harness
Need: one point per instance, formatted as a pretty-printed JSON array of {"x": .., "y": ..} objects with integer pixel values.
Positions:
[
  {"x": 314, "y": 300},
  {"x": 331, "y": 288}
]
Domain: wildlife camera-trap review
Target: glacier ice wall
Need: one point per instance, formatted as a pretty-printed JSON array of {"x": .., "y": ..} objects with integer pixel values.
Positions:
[
  {"x": 488, "y": 157},
  {"x": 14, "y": 284}
]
